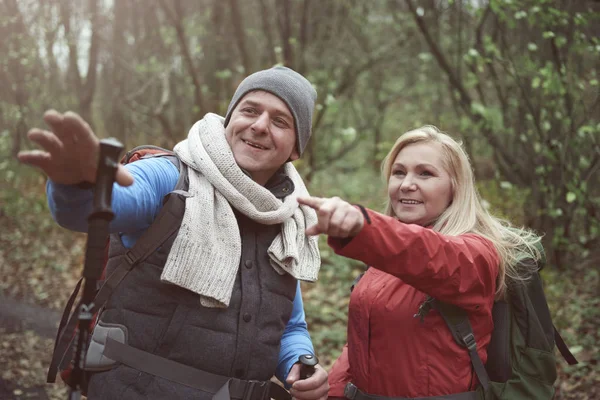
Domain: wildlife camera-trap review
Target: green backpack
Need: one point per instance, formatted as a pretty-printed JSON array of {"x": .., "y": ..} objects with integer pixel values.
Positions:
[{"x": 521, "y": 363}]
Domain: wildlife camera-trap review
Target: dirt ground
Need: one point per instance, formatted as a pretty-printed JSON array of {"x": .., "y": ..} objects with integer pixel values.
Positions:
[{"x": 26, "y": 339}]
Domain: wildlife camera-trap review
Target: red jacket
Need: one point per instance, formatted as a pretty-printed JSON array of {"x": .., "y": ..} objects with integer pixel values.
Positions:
[{"x": 391, "y": 353}]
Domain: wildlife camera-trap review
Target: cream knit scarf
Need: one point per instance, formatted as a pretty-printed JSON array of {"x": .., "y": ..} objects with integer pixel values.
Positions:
[{"x": 206, "y": 253}]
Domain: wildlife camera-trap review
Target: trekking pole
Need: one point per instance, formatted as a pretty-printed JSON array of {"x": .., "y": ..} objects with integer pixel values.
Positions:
[
  {"x": 307, "y": 365},
  {"x": 98, "y": 222}
]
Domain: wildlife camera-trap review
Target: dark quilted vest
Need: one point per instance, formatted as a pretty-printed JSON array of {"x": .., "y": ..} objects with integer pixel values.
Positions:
[{"x": 241, "y": 341}]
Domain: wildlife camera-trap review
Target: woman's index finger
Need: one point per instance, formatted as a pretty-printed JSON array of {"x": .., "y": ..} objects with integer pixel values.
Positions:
[{"x": 311, "y": 201}]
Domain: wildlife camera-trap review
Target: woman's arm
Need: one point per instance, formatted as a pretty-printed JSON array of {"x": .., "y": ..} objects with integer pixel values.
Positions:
[{"x": 461, "y": 270}]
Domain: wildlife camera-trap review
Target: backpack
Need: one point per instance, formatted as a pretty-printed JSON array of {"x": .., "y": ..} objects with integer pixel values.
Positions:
[
  {"x": 64, "y": 346},
  {"x": 521, "y": 362}
]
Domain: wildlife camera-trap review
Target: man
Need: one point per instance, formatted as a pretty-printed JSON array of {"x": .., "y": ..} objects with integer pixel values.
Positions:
[{"x": 222, "y": 294}]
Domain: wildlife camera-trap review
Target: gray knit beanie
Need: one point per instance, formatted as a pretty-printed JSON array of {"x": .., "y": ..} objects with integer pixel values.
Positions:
[{"x": 291, "y": 87}]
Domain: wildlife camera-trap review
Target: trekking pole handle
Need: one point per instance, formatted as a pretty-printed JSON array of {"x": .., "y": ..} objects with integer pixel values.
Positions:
[
  {"x": 307, "y": 365},
  {"x": 110, "y": 150},
  {"x": 102, "y": 213}
]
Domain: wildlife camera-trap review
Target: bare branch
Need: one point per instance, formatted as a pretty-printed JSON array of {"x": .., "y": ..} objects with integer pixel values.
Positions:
[
  {"x": 285, "y": 30},
  {"x": 176, "y": 18},
  {"x": 266, "y": 25},
  {"x": 238, "y": 28}
]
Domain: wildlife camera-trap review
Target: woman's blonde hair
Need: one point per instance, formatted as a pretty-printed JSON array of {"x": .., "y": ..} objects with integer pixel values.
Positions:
[{"x": 465, "y": 214}]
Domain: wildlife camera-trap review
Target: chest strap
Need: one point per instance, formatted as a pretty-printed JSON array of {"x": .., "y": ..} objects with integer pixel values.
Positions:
[
  {"x": 351, "y": 392},
  {"x": 223, "y": 388}
]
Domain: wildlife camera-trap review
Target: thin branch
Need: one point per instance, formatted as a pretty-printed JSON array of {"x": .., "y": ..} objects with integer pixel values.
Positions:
[
  {"x": 89, "y": 86},
  {"x": 521, "y": 86},
  {"x": 303, "y": 36},
  {"x": 176, "y": 17},
  {"x": 266, "y": 25},
  {"x": 285, "y": 30},
  {"x": 238, "y": 28}
]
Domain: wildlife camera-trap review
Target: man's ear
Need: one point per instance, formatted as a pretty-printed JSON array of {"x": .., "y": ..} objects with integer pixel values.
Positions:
[{"x": 295, "y": 155}]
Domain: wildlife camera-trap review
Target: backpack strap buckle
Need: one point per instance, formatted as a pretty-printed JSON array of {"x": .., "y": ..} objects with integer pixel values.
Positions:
[
  {"x": 130, "y": 258},
  {"x": 256, "y": 390},
  {"x": 350, "y": 391},
  {"x": 469, "y": 341}
]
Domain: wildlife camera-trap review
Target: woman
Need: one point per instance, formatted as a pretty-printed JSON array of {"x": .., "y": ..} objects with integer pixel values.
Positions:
[{"x": 436, "y": 240}]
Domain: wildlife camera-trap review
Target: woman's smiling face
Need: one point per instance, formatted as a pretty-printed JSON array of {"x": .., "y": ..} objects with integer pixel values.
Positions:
[{"x": 419, "y": 187}]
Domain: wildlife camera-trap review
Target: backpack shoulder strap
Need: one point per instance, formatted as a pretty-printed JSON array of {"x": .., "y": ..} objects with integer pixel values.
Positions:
[
  {"x": 564, "y": 349},
  {"x": 458, "y": 322},
  {"x": 143, "y": 151},
  {"x": 165, "y": 224}
]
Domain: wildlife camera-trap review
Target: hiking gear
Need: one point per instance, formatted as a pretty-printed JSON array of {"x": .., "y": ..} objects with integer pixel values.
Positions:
[
  {"x": 99, "y": 220},
  {"x": 383, "y": 304},
  {"x": 307, "y": 368},
  {"x": 521, "y": 362},
  {"x": 176, "y": 327},
  {"x": 291, "y": 87},
  {"x": 217, "y": 188},
  {"x": 253, "y": 324},
  {"x": 63, "y": 351}
]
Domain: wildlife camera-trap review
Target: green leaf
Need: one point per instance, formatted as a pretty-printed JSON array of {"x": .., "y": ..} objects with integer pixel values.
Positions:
[
  {"x": 546, "y": 126},
  {"x": 571, "y": 197},
  {"x": 425, "y": 56},
  {"x": 520, "y": 14},
  {"x": 506, "y": 185},
  {"x": 478, "y": 108},
  {"x": 576, "y": 349},
  {"x": 223, "y": 74}
]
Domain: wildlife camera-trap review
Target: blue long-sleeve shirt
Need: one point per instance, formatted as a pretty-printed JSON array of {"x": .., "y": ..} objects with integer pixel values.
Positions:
[{"x": 135, "y": 208}]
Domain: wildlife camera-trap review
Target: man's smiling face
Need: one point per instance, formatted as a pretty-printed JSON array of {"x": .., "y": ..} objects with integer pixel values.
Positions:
[{"x": 262, "y": 135}]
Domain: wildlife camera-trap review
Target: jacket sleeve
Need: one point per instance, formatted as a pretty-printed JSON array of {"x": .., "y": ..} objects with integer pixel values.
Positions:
[
  {"x": 460, "y": 270},
  {"x": 295, "y": 340},
  {"x": 135, "y": 206},
  {"x": 339, "y": 374}
]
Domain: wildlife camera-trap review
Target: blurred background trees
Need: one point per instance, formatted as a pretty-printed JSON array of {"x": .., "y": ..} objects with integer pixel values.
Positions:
[{"x": 516, "y": 80}]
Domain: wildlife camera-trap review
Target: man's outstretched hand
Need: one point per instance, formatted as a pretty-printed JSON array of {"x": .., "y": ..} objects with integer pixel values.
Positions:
[
  {"x": 315, "y": 387},
  {"x": 70, "y": 150},
  {"x": 337, "y": 218}
]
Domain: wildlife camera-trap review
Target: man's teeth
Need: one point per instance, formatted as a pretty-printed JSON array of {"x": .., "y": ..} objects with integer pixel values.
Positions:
[
  {"x": 409, "y": 202},
  {"x": 254, "y": 145}
]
